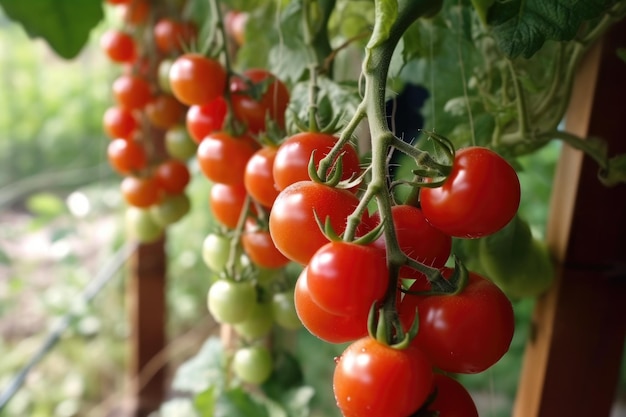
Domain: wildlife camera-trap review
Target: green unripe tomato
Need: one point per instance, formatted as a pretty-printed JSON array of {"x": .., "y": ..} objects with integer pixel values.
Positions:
[
  {"x": 141, "y": 226},
  {"x": 253, "y": 364},
  {"x": 284, "y": 311},
  {"x": 231, "y": 302},
  {"x": 258, "y": 324},
  {"x": 164, "y": 75},
  {"x": 171, "y": 209},
  {"x": 178, "y": 144},
  {"x": 215, "y": 251}
]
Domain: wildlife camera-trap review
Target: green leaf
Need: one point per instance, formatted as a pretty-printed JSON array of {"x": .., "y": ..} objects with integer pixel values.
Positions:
[
  {"x": 386, "y": 15},
  {"x": 482, "y": 7},
  {"x": 203, "y": 371},
  {"x": 521, "y": 27},
  {"x": 297, "y": 401},
  {"x": 64, "y": 24},
  {"x": 205, "y": 403},
  {"x": 239, "y": 403}
]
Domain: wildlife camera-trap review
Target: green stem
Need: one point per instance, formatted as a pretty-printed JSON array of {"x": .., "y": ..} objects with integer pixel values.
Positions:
[
  {"x": 594, "y": 152},
  {"x": 236, "y": 238}
]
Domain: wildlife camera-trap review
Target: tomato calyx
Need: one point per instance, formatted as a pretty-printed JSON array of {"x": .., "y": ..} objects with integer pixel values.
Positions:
[
  {"x": 439, "y": 285},
  {"x": 383, "y": 324}
]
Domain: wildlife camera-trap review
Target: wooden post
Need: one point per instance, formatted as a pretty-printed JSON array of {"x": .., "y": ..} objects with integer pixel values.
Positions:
[
  {"x": 571, "y": 366},
  {"x": 147, "y": 313}
]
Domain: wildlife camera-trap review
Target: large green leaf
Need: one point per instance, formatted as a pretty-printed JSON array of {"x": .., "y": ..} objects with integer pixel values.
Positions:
[
  {"x": 64, "y": 24},
  {"x": 522, "y": 26}
]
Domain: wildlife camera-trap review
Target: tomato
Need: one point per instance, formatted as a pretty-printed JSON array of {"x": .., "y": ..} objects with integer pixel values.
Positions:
[
  {"x": 235, "y": 22},
  {"x": 375, "y": 380},
  {"x": 253, "y": 111},
  {"x": 164, "y": 111},
  {"x": 226, "y": 203},
  {"x": 132, "y": 92},
  {"x": 171, "y": 208},
  {"x": 346, "y": 278},
  {"x": 135, "y": 12},
  {"x": 463, "y": 333},
  {"x": 179, "y": 144},
  {"x": 196, "y": 79},
  {"x": 119, "y": 46},
  {"x": 284, "y": 310},
  {"x": 126, "y": 156},
  {"x": 202, "y": 120},
  {"x": 223, "y": 158},
  {"x": 479, "y": 197},
  {"x": 172, "y": 176},
  {"x": 417, "y": 238},
  {"x": 259, "y": 246},
  {"x": 258, "y": 176},
  {"x": 258, "y": 324},
  {"x": 452, "y": 399},
  {"x": 171, "y": 35},
  {"x": 292, "y": 159},
  {"x": 231, "y": 302},
  {"x": 215, "y": 251},
  {"x": 141, "y": 191},
  {"x": 141, "y": 226},
  {"x": 329, "y": 327},
  {"x": 292, "y": 222},
  {"x": 119, "y": 122},
  {"x": 253, "y": 364}
]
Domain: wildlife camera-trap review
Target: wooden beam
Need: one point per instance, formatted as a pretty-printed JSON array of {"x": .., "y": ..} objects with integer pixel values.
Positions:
[
  {"x": 571, "y": 365},
  {"x": 147, "y": 313}
]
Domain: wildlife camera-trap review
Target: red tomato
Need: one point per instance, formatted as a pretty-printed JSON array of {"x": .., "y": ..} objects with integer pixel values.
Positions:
[
  {"x": 126, "y": 156},
  {"x": 164, "y": 111},
  {"x": 375, "y": 380},
  {"x": 135, "y": 12},
  {"x": 292, "y": 159},
  {"x": 131, "y": 92},
  {"x": 196, "y": 79},
  {"x": 463, "y": 333},
  {"x": 118, "y": 46},
  {"x": 417, "y": 238},
  {"x": 292, "y": 222},
  {"x": 480, "y": 196},
  {"x": 223, "y": 158},
  {"x": 258, "y": 177},
  {"x": 452, "y": 399},
  {"x": 172, "y": 176},
  {"x": 226, "y": 203},
  {"x": 171, "y": 35},
  {"x": 260, "y": 248},
  {"x": 346, "y": 278},
  {"x": 205, "y": 119},
  {"x": 331, "y": 328},
  {"x": 119, "y": 122},
  {"x": 140, "y": 192},
  {"x": 272, "y": 103}
]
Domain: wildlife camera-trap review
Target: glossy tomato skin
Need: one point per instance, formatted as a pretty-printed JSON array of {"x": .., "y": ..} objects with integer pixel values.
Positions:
[
  {"x": 259, "y": 246},
  {"x": 132, "y": 92},
  {"x": 479, "y": 197},
  {"x": 345, "y": 278},
  {"x": 196, "y": 79},
  {"x": 292, "y": 221},
  {"x": 292, "y": 159},
  {"x": 223, "y": 158},
  {"x": 202, "y": 120},
  {"x": 331, "y": 328},
  {"x": 375, "y": 380},
  {"x": 417, "y": 238},
  {"x": 172, "y": 176},
  {"x": 126, "y": 156},
  {"x": 272, "y": 103},
  {"x": 164, "y": 111},
  {"x": 119, "y": 122},
  {"x": 452, "y": 399},
  {"x": 119, "y": 46},
  {"x": 171, "y": 35},
  {"x": 226, "y": 203},
  {"x": 464, "y": 333},
  {"x": 258, "y": 177},
  {"x": 140, "y": 191}
]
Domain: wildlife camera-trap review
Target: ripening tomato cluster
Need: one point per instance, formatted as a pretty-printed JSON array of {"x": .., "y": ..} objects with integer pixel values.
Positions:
[{"x": 149, "y": 144}]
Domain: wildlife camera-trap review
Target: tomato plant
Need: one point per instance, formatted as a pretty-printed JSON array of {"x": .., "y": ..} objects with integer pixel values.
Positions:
[
  {"x": 231, "y": 302},
  {"x": 202, "y": 120},
  {"x": 223, "y": 157},
  {"x": 126, "y": 156},
  {"x": 253, "y": 364},
  {"x": 259, "y": 177},
  {"x": 119, "y": 122},
  {"x": 119, "y": 46},
  {"x": 196, "y": 79}
]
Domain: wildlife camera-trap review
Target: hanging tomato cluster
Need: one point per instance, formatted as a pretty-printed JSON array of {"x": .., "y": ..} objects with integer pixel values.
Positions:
[
  {"x": 376, "y": 272},
  {"x": 149, "y": 145}
]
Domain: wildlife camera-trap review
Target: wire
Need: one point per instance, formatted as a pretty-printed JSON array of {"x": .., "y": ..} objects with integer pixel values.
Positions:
[{"x": 108, "y": 271}]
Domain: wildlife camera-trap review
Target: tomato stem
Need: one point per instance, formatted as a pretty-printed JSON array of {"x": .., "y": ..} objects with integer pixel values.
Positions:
[{"x": 235, "y": 242}]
